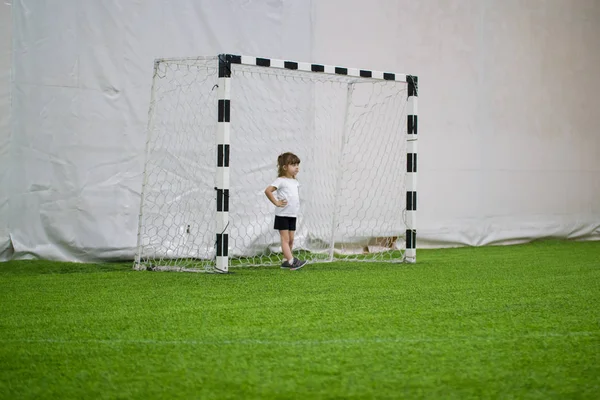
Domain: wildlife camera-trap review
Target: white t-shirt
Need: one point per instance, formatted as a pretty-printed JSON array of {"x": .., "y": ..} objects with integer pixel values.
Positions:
[{"x": 287, "y": 188}]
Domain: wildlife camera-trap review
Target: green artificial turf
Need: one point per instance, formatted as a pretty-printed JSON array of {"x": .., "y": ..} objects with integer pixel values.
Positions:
[{"x": 490, "y": 322}]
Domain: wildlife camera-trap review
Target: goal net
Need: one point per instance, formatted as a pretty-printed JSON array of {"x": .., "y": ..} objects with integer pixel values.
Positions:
[{"x": 216, "y": 127}]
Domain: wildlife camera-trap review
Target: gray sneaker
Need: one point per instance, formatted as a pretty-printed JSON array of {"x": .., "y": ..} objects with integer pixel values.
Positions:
[
  {"x": 286, "y": 264},
  {"x": 297, "y": 264}
]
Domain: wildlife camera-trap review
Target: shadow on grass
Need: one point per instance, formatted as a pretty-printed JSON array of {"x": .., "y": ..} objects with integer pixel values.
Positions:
[
  {"x": 426, "y": 258},
  {"x": 42, "y": 267}
]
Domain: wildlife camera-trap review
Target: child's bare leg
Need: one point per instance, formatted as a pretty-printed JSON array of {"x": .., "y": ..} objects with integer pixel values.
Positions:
[
  {"x": 285, "y": 244},
  {"x": 291, "y": 241}
]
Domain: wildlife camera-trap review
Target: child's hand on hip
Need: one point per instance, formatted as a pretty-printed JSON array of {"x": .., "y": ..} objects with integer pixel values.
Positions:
[{"x": 281, "y": 203}]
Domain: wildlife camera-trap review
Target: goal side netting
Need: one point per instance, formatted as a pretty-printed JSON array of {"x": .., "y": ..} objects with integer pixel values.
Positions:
[{"x": 212, "y": 147}]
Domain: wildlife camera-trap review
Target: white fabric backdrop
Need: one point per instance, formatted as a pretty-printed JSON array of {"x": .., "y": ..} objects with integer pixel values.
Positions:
[
  {"x": 509, "y": 144},
  {"x": 509, "y": 126},
  {"x": 5, "y": 161}
]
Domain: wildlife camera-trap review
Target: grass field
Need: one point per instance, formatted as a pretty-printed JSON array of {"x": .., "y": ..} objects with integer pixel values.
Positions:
[{"x": 492, "y": 322}]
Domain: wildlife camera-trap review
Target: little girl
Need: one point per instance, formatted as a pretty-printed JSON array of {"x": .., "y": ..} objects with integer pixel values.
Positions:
[{"x": 288, "y": 205}]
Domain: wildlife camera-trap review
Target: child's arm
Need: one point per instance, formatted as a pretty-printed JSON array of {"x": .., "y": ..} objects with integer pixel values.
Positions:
[{"x": 269, "y": 192}]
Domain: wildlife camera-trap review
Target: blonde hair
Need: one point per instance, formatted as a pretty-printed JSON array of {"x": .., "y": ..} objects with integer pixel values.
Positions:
[{"x": 284, "y": 160}]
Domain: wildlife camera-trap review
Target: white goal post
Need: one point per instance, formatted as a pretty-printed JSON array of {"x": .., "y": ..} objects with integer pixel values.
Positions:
[{"x": 216, "y": 126}]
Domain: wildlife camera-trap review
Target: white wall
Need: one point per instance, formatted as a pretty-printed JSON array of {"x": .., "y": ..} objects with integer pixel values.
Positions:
[
  {"x": 509, "y": 145},
  {"x": 5, "y": 160},
  {"x": 509, "y": 131},
  {"x": 81, "y": 90}
]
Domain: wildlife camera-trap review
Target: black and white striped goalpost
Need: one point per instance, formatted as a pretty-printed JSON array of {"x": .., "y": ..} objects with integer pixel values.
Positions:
[
  {"x": 224, "y": 129},
  {"x": 410, "y": 254},
  {"x": 223, "y": 143}
]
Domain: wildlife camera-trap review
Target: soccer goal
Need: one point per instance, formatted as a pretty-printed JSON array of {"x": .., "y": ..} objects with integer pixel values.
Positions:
[{"x": 216, "y": 126}]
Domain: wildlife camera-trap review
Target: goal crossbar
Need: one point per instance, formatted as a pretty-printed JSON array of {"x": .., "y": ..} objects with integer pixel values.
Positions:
[{"x": 296, "y": 65}]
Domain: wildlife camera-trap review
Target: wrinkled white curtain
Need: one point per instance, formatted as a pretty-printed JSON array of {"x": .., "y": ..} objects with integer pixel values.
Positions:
[
  {"x": 509, "y": 126},
  {"x": 5, "y": 131},
  {"x": 509, "y": 146},
  {"x": 82, "y": 76}
]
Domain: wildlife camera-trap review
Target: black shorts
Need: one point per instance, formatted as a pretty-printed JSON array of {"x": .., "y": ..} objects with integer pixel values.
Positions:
[{"x": 285, "y": 223}]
